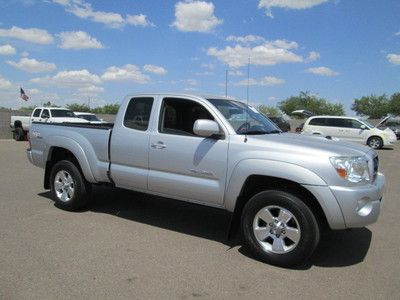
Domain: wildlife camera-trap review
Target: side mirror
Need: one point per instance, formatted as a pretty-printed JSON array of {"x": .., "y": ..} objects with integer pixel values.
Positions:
[
  {"x": 45, "y": 116},
  {"x": 206, "y": 128},
  {"x": 363, "y": 127}
]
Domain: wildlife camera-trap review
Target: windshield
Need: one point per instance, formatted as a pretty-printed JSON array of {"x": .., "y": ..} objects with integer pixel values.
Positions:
[
  {"x": 244, "y": 119},
  {"x": 367, "y": 123},
  {"x": 62, "y": 113},
  {"x": 89, "y": 117}
]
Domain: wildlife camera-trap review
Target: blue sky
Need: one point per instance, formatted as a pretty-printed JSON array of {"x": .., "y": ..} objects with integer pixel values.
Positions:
[{"x": 67, "y": 51}]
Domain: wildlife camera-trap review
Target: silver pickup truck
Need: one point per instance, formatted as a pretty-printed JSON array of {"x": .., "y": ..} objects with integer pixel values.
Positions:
[{"x": 281, "y": 188}]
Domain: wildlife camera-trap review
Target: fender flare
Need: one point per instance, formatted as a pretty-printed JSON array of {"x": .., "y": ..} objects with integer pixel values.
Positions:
[{"x": 76, "y": 149}]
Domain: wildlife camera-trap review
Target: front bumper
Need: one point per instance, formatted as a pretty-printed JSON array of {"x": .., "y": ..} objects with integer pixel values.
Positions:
[{"x": 360, "y": 205}]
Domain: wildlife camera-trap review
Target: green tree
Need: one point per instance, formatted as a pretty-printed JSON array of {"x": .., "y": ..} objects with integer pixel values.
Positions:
[
  {"x": 271, "y": 111},
  {"x": 110, "y": 109},
  {"x": 27, "y": 108},
  {"x": 394, "y": 104},
  {"x": 78, "y": 107},
  {"x": 316, "y": 105},
  {"x": 373, "y": 106}
]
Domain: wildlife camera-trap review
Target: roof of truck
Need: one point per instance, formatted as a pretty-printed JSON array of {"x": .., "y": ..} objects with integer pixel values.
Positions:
[{"x": 183, "y": 94}]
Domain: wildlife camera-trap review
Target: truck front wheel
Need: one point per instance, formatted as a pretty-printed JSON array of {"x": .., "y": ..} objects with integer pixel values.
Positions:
[
  {"x": 279, "y": 228},
  {"x": 68, "y": 187}
]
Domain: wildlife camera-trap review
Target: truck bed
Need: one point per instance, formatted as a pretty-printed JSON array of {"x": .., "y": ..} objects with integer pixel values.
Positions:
[{"x": 91, "y": 141}]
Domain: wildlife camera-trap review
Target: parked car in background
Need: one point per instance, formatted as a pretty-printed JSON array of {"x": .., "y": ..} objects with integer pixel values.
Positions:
[
  {"x": 394, "y": 124},
  {"x": 92, "y": 118},
  {"x": 20, "y": 125},
  {"x": 350, "y": 129},
  {"x": 281, "y": 123}
]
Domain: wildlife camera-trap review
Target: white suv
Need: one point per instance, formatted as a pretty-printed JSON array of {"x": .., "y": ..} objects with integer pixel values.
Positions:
[{"x": 349, "y": 129}]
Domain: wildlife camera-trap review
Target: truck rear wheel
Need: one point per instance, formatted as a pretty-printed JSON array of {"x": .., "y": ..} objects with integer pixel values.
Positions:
[
  {"x": 279, "y": 228},
  {"x": 69, "y": 189},
  {"x": 19, "y": 134}
]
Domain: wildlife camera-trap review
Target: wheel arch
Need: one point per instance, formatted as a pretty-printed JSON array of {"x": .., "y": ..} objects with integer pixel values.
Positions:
[
  {"x": 276, "y": 175},
  {"x": 72, "y": 152}
]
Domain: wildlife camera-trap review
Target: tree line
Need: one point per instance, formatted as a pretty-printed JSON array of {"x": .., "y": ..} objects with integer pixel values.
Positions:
[
  {"x": 108, "y": 109},
  {"x": 372, "y": 106}
]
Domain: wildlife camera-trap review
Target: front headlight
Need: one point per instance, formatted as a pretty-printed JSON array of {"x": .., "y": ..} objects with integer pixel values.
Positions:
[{"x": 354, "y": 169}]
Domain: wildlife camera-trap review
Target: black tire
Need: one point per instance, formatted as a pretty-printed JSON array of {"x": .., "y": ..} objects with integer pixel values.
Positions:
[
  {"x": 275, "y": 201},
  {"x": 19, "y": 134},
  {"x": 72, "y": 193},
  {"x": 375, "y": 142}
]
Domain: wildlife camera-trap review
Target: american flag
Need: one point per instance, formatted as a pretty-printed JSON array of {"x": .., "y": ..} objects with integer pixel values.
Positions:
[{"x": 23, "y": 95}]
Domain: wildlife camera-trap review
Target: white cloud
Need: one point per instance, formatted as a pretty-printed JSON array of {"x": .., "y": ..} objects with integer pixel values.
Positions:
[
  {"x": 265, "y": 81},
  {"x": 84, "y": 10},
  {"x": 268, "y": 54},
  {"x": 32, "y": 35},
  {"x": 77, "y": 78},
  {"x": 7, "y": 50},
  {"x": 205, "y": 73},
  {"x": 245, "y": 39},
  {"x": 235, "y": 73},
  {"x": 208, "y": 66},
  {"x": 89, "y": 91},
  {"x": 4, "y": 83},
  {"x": 393, "y": 58},
  {"x": 191, "y": 82},
  {"x": 25, "y": 54},
  {"x": 31, "y": 65},
  {"x": 78, "y": 40},
  {"x": 322, "y": 71},
  {"x": 139, "y": 20},
  {"x": 288, "y": 4},
  {"x": 33, "y": 91},
  {"x": 154, "y": 69},
  {"x": 195, "y": 16},
  {"x": 125, "y": 73},
  {"x": 313, "y": 56}
]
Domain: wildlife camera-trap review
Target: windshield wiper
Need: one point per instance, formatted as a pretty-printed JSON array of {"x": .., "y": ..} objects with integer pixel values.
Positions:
[
  {"x": 274, "y": 131},
  {"x": 255, "y": 132}
]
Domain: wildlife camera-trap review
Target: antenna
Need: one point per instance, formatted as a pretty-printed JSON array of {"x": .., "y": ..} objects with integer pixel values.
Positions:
[
  {"x": 226, "y": 83},
  {"x": 247, "y": 96}
]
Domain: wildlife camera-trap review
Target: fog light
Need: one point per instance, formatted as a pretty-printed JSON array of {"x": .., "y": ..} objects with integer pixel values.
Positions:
[{"x": 364, "y": 206}]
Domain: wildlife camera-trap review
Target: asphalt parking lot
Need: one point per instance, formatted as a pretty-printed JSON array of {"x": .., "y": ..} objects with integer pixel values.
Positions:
[{"x": 130, "y": 245}]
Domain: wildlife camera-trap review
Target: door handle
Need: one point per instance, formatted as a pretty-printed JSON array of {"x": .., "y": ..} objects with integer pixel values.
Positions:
[{"x": 159, "y": 145}]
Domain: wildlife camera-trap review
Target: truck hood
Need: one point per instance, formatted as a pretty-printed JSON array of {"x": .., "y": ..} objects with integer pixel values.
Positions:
[{"x": 308, "y": 145}]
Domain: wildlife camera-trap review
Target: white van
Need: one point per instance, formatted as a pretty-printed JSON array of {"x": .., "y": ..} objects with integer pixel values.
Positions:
[{"x": 350, "y": 129}]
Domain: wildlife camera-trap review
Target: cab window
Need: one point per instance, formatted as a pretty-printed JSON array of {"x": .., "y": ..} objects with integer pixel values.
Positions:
[
  {"x": 36, "y": 113},
  {"x": 178, "y": 116},
  {"x": 138, "y": 112},
  {"x": 45, "y": 113}
]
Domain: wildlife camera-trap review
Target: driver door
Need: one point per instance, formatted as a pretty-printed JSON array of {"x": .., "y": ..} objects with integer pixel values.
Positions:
[{"x": 181, "y": 164}]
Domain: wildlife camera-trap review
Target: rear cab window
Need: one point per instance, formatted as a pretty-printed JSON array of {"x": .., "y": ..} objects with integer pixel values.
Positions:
[{"x": 137, "y": 115}]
